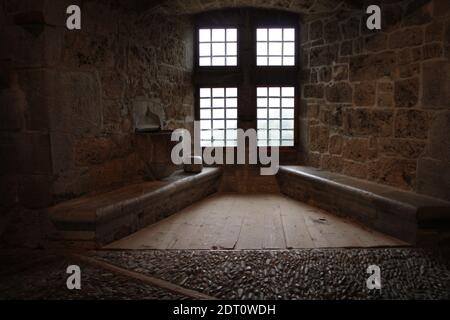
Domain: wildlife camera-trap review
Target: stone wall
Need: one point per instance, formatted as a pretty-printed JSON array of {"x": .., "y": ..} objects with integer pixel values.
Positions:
[
  {"x": 67, "y": 99},
  {"x": 376, "y": 104}
]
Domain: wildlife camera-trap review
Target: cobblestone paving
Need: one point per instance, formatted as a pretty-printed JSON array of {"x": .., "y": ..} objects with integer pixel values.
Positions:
[
  {"x": 46, "y": 280},
  {"x": 296, "y": 274}
]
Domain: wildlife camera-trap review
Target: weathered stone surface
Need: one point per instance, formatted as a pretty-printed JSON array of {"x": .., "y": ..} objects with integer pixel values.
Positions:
[
  {"x": 412, "y": 124},
  {"x": 436, "y": 84},
  {"x": 441, "y": 8},
  {"x": 351, "y": 28},
  {"x": 323, "y": 55},
  {"x": 336, "y": 143},
  {"x": 410, "y": 149},
  {"x": 432, "y": 50},
  {"x": 418, "y": 12},
  {"x": 12, "y": 107},
  {"x": 375, "y": 42},
  {"x": 355, "y": 169},
  {"x": 434, "y": 31},
  {"x": 371, "y": 67},
  {"x": 316, "y": 30},
  {"x": 383, "y": 122},
  {"x": 406, "y": 93},
  {"x": 385, "y": 94},
  {"x": 439, "y": 142},
  {"x": 406, "y": 38},
  {"x": 331, "y": 31},
  {"x": 433, "y": 178},
  {"x": 340, "y": 72},
  {"x": 357, "y": 121},
  {"x": 396, "y": 172},
  {"x": 331, "y": 162},
  {"x": 339, "y": 92},
  {"x": 325, "y": 74},
  {"x": 409, "y": 70},
  {"x": 318, "y": 138},
  {"x": 346, "y": 48},
  {"x": 313, "y": 91},
  {"x": 364, "y": 94},
  {"x": 356, "y": 149}
]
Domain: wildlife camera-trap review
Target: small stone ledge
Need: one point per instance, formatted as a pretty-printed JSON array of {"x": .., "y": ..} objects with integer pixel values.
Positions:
[
  {"x": 94, "y": 221},
  {"x": 411, "y": 217}
]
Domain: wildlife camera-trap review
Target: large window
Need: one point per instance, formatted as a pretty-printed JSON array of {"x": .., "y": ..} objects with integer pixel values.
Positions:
[
  {"x": 217, "y": 47},
  {"x": 218, "y": 117},
  {"x": 275, "y": 116},
  {"x": 246, "y": 76},
  {"x": 275, "y": 47}
]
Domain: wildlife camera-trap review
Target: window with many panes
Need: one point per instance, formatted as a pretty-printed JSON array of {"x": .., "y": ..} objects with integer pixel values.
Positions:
[{"x": 255, "y": 85}]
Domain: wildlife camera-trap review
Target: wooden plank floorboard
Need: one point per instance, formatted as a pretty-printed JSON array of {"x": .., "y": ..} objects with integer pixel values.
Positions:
[{"x": 253, "y": 221}]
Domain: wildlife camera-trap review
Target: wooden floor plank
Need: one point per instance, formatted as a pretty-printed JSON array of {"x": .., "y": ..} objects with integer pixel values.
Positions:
[{"x": 253, "y": 221}]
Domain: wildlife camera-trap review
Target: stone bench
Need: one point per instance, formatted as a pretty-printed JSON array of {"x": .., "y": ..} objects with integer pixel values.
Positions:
[
  {"x": 414, "y": 218},
  {"x": 93, "y": 221}
]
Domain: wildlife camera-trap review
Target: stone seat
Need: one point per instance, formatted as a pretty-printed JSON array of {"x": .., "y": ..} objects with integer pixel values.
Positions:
[
  {"x": 414, "y": 218},
  {"x": 93, "y": 221}
]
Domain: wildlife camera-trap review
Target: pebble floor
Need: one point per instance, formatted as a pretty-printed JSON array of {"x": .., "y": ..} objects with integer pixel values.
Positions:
[{"x": 406, "y": 273}]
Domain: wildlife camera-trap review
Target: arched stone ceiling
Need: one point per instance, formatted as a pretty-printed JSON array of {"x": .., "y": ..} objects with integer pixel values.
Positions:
[{"x": 302, "y": 7}]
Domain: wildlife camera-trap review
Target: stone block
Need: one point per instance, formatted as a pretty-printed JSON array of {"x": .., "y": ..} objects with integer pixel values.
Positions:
[
  {"x": 433, "y": 178},
  {"x": 316, "y": 30},
  {"x": 412, "y": 124},
  {"x": 434, "y": 31},
  {"x": 336, "y": 142},
  {"x": 396, "y": 172},
  {"x": 346, "y": 48},
  {"x": 331, "y": 32},
  {"x": 318, "y": 138},
  {"x": 351, "y": 28},
  {"x": 432, "y": 50},
  {"x": 441, "y": 8},
  {"x": 313, "y": 91},
  {"x": 325, "y": 74},
  {"x": 355, "y": 169},
  {"x": 375, "y": 42},
  {"x": 439, "y": 136},
  {"x": 356, "y": 149},
  {"x": 323, "y": 55},
  {"x": 364, "y": 94},
  {"x": 71, "y": 112},
  {"x": 406, "y": 38},
  {"x": 331, "y": 162},
  {"x": 406, "y": 148},
  {"x": 340, "y": 72},
  {"x": 372, "y": 67},
  {"x": 436, "y": 84},
  {"x": 406, "y": 93},
  {"x": 12, "y": 106},
  {"x": 339, "y": 92},
  {"x": 382, "y": 122}
]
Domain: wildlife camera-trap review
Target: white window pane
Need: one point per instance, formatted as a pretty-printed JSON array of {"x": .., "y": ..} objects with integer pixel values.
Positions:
[
  {"x": 261, "y": 92},
  {"x": 274, "y": 113},
  {"x": 274, "y": 134},
  {"x": 275, "y": 34},
  {"x": 288, "y": 113},
  {"x": 287, "y": 124},
  {"x": 287, "y": 103},
  {"x": 275, "y": 49},
  {"x": 262, "y": 124},
  {"x": 261, "y": 61},
  {"x": 205, "y": 92},
  {"x": 205, "y": 134},
  {"x": 261, "y": 34},
  {"x": 287, "y": 143},
  {"x": 231, "y": 92},
  {"x": 289, "y": 61},
  {"x": 218, "y": 92},
  {"x": 274, "y": 102},
  {"x": 204, "y": 35},
  {"x": 207, "y": 143},
  {"x": 218, "y": 114},
  {"x": 231, "y": 34},
  {"x": 274, "y": 91},
  {"x": 261, "y": 49},
  {"x": 232, "y": 113},
  {"x": 274, "y": 61},
  {"x": 205, "y": 50},
  {"x": 288, "y": 91},
  {"x": 205, "y": 103},
  {"x": 218, "y": 49},
  {"x": 218, "y": 61},
  {"x": 205, "y": 124},
  {"x": 232, "y": 103},
  {"x": 262, "y": 143},
  {"x": 218, "y": 103},
  {"x": 289, "y": 48},
  {"x": 262, "y": 113},
  {"x": 218, "y": 143},
  {"x": 218, "y": 124},
  {"x": 274, "y": 124},
  {"x": 261, "y": 102},
  {"x": 218, "y": 35},
  {"x": 231, "y": 49},
  {"x": 231, "y": 61},
  {"x": 262, "y": 134},
  {"x": 274, "y": 143},
  {"x": 231, "y": 124},
  {"x": 287, "y": 134},
  {"x": 231, "y": 134},
  {"x": 205, "y": 114},
  {"x": 205, "y": 62},
  {"x": 218, "y": 134},
  {"x": 289, "y": 34}
]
